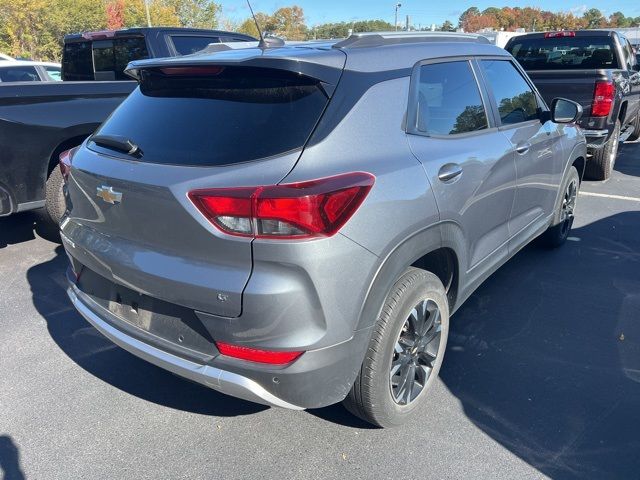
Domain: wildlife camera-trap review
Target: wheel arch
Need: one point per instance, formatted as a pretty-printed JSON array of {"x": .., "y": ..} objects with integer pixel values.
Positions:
[{"x": 424, "y": 249}]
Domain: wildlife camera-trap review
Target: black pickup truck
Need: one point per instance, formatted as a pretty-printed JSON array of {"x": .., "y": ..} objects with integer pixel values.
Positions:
[
  {"x": 596, "y": 68},
  {"x": 40, "y": 120},
  {"x": 103, "y": 55}
]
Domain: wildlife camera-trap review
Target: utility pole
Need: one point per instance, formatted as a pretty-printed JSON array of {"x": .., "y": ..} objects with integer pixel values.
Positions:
[
  {"x": 398, "y": 5},
  {"x": 146, "y": 7}
]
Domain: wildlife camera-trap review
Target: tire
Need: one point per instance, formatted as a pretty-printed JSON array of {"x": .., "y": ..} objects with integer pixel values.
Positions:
[
  {"x": 557, "y": 234},
  {"x": 377, "y": 395},
  {"x": 54, "y": 199},
  {"x": 600, "y": 165},
  {"x": 636, "y": 129}
]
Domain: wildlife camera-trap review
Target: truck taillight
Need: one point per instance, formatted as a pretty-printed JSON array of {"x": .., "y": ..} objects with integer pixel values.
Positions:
[
  {"x": 65, "y": 160},
  {"x": 318, "y": 208},
  {"x": 559, "y": 34},
  {"x": 603, "y": 97}
]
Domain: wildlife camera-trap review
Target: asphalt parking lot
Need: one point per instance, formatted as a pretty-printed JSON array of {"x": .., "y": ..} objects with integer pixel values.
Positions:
[{"x": 541, "y": 378}]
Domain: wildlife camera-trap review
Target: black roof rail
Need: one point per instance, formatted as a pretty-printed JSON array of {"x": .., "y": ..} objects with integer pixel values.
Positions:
[{"x": 377, "y": 39}]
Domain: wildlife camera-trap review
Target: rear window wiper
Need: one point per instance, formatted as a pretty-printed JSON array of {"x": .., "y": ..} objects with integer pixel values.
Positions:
[{"x": 117, "y": 142}]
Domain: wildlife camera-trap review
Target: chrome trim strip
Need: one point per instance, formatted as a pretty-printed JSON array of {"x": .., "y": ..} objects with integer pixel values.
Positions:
[
  {"x": 595, "y": 133},
  {"x": 30, "y": 205},
  {"x": 221, "y": 380}
]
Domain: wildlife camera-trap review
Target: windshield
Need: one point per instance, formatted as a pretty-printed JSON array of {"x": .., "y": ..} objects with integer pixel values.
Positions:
[
  {"x": 564, "y": 53},
  {"x": 217, "y": 115}
]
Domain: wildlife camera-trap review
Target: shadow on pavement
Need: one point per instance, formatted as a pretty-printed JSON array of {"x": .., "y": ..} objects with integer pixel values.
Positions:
[
  {"x": 628, "y": 162},
  {"x": 100, "y": 357},
  {"x": 10, "y": 459},
  {"x": 545, "y": 356},
  {"x": 22, "y": 227}
]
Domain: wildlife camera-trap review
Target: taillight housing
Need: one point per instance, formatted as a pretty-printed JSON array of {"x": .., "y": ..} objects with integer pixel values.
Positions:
[
  {"x": 603, "y": 97},
  {"x": 65, "y": 161},
  {"x": 271, "y": 357},
  {"x": 559, "y": 34},
  {"x": 317, "y": 208}
]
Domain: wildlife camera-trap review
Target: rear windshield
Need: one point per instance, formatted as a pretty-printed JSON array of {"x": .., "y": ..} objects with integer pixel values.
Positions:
[
  {"x": 564, "y": 53},
  {"x": 206, "y": 116},
  {"x": 102, "y": 59}
]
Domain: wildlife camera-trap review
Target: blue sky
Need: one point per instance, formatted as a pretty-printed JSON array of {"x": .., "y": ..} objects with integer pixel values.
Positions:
[{"x": 422, "y": 12}]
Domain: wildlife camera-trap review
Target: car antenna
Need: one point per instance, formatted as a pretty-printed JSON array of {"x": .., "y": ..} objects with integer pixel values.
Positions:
[{"x": 261, "y": 43}]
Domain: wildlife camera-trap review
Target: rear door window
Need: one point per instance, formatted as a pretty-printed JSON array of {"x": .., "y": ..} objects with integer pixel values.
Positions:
[
  {"x": 206, "y": 116},
  {"x": 188, "y": 44},
  {"x": 564, "y": 53},
  {"x": 449, "y": 100},
  {"x": 110, "y": 57},
  {"x": 515, "y": 98},
  {"x": 77, "y": 61},
  {"x": 19, "y": 74}
]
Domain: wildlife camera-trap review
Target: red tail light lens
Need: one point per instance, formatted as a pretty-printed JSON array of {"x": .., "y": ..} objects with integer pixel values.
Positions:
[
  {"x": 65, "y": 160},
  {"x": 603, "y": 97},
  {"x": 256, "y": 355},
  {"x": 318, "y": 208},
  {"x": 559, "y": 34}
]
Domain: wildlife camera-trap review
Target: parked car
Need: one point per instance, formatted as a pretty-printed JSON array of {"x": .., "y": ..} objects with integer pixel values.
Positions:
[
  {"x": 28, "y": 71},
  {"x": 39, "y": 121},
  {"x": 596, "y": 68},
  {"x": 104, "y": 55},
  {"x": 295, "y": 225}
]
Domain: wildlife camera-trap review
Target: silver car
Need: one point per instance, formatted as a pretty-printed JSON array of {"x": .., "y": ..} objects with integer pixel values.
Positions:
[{"x": 295, "y": 225}]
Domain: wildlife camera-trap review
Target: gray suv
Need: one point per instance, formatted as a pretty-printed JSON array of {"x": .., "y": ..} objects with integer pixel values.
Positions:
[{"x": 294, "y": 226}]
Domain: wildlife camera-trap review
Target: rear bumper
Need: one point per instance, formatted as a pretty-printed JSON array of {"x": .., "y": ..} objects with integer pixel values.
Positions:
[
  {"x": 221, "y": 380},
  {"x": 319, "y": 378},
  {"x": 596, "y": 138}
]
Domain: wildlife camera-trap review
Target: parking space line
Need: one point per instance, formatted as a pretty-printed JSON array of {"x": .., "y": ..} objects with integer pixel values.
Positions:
[{"x": 615, "y": 197}]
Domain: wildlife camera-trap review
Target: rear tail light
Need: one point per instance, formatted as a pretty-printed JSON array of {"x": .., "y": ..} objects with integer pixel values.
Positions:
[
  {"x": 65, "y": 160},
  {"x": 318, "y": 208},
  {"x": 603, "y": 97},
  {"x": 559, "y": 34},
  {"x": 270, "y": 357}
]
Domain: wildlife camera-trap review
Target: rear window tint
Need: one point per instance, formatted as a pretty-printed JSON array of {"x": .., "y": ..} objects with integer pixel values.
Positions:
[
  {"x": 217, "y": 116},
  {"x": 77, "y": 61},
  {"x": 449, "y": 100},
  {"x": 105, "y": 56},
  {"x": 564, "y": 53},
  {"x": 188, "y": 44}
]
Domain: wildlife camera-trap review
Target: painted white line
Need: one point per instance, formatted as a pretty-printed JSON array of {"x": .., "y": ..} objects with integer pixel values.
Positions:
[{"x": 615, "y": 197}]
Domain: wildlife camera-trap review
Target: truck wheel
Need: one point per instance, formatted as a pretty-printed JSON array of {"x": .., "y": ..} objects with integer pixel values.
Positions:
[
  {"x": 54, "y": 198},
  {"x": 405, "y": 351},
  {"x": 636, "y": 129},
  {"x": 558, "y": 232},
  {"x": 600, "y": 165}
]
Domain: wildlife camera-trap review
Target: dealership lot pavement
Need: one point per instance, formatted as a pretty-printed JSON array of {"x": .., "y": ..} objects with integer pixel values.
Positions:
[{"x": 541, "y": 378}]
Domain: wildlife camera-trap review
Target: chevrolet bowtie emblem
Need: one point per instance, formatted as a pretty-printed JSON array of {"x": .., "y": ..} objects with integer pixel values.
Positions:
[{"x": 109, "y": 195}]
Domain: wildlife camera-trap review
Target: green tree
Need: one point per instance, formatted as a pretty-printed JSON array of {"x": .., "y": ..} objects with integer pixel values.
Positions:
[
  {"x": 288, "y": 23},
  {"x": 249, "y": 26},
  {"x": 447, "y": 26},
  {"x": 594, "y": 18},
  {"x": 195, "y": 13}
]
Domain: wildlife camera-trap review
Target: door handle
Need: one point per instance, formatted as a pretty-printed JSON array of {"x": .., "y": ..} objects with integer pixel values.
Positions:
[
  {"x": 449, "y": 172},
  {"x": 523, "y": 148}
]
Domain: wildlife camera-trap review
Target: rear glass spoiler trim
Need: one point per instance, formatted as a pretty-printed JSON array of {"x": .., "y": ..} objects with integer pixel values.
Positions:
[{"x": 326, "y": 74}]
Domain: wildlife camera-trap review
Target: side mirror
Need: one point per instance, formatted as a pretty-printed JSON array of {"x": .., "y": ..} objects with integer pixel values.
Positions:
[{"x": 565, "y": 111}]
